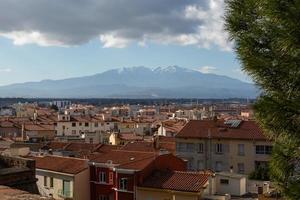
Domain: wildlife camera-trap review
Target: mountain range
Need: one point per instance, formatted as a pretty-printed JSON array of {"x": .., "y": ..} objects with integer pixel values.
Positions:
[{"x": 136, "y": 82}]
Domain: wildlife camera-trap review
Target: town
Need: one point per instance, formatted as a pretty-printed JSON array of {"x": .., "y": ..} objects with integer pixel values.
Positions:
[
  {"x": 62, "y": 150},
  {"x": 150, "y": 100}
]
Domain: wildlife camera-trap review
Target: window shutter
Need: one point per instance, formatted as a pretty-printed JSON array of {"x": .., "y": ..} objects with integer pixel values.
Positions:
[{"x": 111, "y": 178}]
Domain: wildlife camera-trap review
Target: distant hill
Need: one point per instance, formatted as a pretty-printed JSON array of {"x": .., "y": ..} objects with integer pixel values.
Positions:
[{"x": 136, "y": 82}]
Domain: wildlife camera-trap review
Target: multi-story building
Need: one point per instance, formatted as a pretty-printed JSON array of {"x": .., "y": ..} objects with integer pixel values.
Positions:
[
  {"x": 63, "y": 177},
  {"x": 232, "y": 145},
  {"x": 68, "y": 126},
  {"x": 115, "y": 175}
]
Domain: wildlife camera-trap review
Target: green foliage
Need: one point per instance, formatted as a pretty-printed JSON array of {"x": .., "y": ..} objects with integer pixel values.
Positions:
[
  {"x": 54, "y": 107},
  {"x": 261, "y": 173},
  {"x": 267, "y": 41}
]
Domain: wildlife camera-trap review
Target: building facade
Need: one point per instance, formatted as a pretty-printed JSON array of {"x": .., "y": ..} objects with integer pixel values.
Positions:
[
  {"x": 116, "y": 175},
  {"x": 215, "y": 145}
]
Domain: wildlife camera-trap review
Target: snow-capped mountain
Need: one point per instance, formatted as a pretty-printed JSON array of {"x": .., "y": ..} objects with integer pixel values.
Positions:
[{"x": 137, "y": 82}]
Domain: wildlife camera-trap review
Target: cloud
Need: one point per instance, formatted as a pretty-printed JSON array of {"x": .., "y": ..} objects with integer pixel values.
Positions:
[
  {"x": 117, "y": 23},
  {"x": 5, "y": 70},
  {"x": 207, "y": 69},
  {"x": 23, "y": 37}
]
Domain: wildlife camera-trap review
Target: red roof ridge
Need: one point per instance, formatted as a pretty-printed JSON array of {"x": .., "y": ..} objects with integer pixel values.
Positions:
[{"x": 65, "y": 157}]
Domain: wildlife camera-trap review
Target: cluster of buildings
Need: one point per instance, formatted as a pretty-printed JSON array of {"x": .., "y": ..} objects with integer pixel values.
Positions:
[{"x": 84, "y": 152}]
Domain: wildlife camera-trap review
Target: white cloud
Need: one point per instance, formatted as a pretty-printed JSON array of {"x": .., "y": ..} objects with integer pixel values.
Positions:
[
  {"x": 207, "y": 69},
  {"x": 211, "y": 30},
  {"x": 116, "y": 23},
  {"x": 32, "y": 37},
  {"x": 5, "y": 70},
  {"x": 111, "y": 41}
]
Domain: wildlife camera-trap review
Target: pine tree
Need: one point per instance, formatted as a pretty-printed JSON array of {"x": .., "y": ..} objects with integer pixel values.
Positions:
[{"x": 266, "y": 35}]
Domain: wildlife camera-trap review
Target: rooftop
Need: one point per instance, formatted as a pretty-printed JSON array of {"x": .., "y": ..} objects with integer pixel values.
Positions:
[
  {"x": 126, "y": 159},
  {"x": 61, "y": 164},
  {"x": 245, "y": 130},
  {"x": 177, "y": 180},
  {"x": 7, "y": 193}
]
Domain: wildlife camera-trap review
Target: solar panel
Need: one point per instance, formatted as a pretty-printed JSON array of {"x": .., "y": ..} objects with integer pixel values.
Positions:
[{"x": 234, "y": 123}]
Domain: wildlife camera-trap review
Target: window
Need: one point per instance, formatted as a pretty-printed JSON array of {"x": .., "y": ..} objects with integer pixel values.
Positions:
[
  {"x": 103, "y": 197},
  {"x": 66, "y": 188},
  {"x": 260, "y": 149},
  {"x": 91, "y": 140},
  {"x": 96, "y": 124},
  {"x": 80, "y": 124},
  {"x": 190, "y": 147},
  {"x": 268, "y": 150},
  {"x": 200, "y": 148},
  {"x": 190, "y": 164},
  {"x": 241, "y": 149},
  {"x": 123, "y": 183},
  {"x": 86, "y": 124},
  {"x": 263, "y": 149},
  {"x": 180, "y": 147},
  {"x": 74, "y": 124},
  {"x": 241, "y": 168},
  {"x": 51, "y": 182},
  {"x": 224, "y": 181},
  {"x": 102, "y": 177},
  {"x": 219, "y": 148},
  {"x": 73, "y": 132},
  {"x": 218, "y": 166},
  {"x": 200, "y": 165},
  {"x": 45, "y": 181}
]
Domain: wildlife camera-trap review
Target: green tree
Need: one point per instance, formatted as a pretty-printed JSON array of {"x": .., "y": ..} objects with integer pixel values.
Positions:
[
  {"x": 54, "y": 107},
  {"x": 266, "y": 35}
]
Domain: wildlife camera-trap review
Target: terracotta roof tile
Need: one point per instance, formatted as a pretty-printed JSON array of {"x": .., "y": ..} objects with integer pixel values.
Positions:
[
  {"x": 61, "y": 164},
  {"x": 247, "y": 130},
  {"x": 177, "y": 180},
  {"x": 126, "y": 159}
]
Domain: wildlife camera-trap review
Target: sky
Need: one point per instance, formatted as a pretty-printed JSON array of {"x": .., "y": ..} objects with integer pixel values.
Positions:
[{"x": 57, "y": 39}]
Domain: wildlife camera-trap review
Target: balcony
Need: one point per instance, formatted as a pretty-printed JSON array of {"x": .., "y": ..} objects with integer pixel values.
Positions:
[{"x": 67, "y": 195}]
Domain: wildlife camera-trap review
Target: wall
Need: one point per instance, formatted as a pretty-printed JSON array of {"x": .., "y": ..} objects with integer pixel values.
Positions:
[
  {"x": 57, "y": 183},
  {"x": 18, "y": 173},
  {"x": 82, "y": 186},
  {"x": 229, "y": 158},
  {"x": 156, "y": 194},
  {"x": 236, "y": 186}
]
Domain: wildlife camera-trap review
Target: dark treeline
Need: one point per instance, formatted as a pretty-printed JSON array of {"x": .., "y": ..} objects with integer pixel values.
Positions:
[{"x": 116, "y": 101}]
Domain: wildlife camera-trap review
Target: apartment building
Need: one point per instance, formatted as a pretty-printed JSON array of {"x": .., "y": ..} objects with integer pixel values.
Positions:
[
  {"x": 68, "y": 126},
  {"x": 179, "y": 185},
  {"x": 62, "y": 177},
  {"x": 115, "y": 175},
  {"x": 139, "y": 126},
  {"x": 232, "y": 145}
]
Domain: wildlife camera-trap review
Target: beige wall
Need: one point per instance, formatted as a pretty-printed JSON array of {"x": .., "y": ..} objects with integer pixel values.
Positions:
[
  {"x": 156, "y": 194},
  {"x": 57, "y": 184},
  {"x": 82, "y": 185},
  {"x": 79, "y": 184},
  {"x": 236, "y": 185},
  {"x": 69, "y": 129},
  {"x": 228, "y": 158}
]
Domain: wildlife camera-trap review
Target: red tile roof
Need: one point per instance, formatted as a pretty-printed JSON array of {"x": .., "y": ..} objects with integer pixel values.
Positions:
[
  {"x": 61, "y": 164},
  {"x": 247, "y": 130},
  {"x": 177, "y": 180},
  {"x": 139, "y": 146},
  {"x": 173, "y": 126},
  {"x": 130, "y": 137},
  {"x": 126, "y": 159}
]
